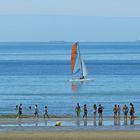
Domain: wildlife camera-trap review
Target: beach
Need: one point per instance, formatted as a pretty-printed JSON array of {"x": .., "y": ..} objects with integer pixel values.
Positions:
[{"x": 95, "y": 135}]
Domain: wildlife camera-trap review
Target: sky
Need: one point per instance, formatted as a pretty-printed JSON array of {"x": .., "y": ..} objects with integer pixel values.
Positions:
[{"x": 69, "y": 20}]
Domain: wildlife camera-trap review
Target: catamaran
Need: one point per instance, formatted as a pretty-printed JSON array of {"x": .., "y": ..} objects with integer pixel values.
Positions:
[{"x": 78, "y": 64}]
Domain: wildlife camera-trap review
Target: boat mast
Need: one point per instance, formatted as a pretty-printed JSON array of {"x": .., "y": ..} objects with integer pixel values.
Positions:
[{"x": 80, "y": 58}]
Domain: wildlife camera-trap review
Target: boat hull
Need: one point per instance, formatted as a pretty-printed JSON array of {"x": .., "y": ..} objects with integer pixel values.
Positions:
[{"x": 81, "y": 80}]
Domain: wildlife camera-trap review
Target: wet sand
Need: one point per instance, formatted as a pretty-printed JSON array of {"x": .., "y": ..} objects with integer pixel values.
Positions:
[
  {"x": 71, "y": 129},
  {"x": 73, "y": 122},
  {"x": 68, "y": 124}
]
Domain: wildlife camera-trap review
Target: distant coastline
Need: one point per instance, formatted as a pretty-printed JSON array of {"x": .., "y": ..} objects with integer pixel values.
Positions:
[{"x": 63, "y": 42}]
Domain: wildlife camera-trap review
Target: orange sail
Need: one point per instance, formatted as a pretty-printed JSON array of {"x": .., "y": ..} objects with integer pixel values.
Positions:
[{"x": 73, "y": 55}]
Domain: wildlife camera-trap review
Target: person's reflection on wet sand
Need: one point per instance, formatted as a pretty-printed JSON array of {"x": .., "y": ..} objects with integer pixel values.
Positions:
[
  {"x": 46, "y": 122},
  {"x": 125, "y": 122},
  {"x": 132, "y": 122},
  {"x": 119, "y": 122},
  {"x": 36, "y": 123},
  {"x": 85, "y": 122},
  {"x": 77, "y": 121},
  {"x": 100, "y": 122},
  {"x": 115, "y": 122},
  {"x": 94, "y": 122},
  {"x": 19, "y": 122}
]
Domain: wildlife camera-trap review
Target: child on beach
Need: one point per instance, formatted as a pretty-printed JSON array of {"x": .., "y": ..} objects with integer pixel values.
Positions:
[
  {"x": 36, "y": 112},
  {"x": 125, "y": 111},
  {"x": 30, "y": 107},
  {"x": 100, "y": 111},
  {"x": 85, "y": 111},
  {"x": 94, "y": 110},
  {"x": 78, "y": 110},
  {"x": 132, "y": 111},
  {"x": 16, "y": 107},
  {"x": 46, "y": 112}
]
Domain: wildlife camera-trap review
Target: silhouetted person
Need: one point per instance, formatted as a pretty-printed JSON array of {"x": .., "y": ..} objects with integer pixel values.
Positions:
[
  {"x": 46, "y": 112},
  {"x": 85, "y": 111},
  {"x": 100, "y": 111},
  {"x": 19, "y": 111},
  {"x": 125, "y": 111},
  {"x": 115, "y": 110},
  {"x": 30, "y": 107},
  {"x": 132, "y": 111},
  {"x": 78, "y": 110},
  {"x": 36, "y": 111},
  {"x": 119, "y": 112},
  {"x": 16, "y": 107},
  {"x": 94, "y": 111}
]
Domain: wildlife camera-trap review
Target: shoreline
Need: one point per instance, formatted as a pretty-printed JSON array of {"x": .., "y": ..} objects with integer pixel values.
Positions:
[
  {"x": 57, "y": 116},
  {"x": 31, "y": 116}
]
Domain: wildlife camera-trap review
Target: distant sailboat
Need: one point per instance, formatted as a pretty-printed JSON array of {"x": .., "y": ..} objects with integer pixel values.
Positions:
[{"x": 77, "y": 64}]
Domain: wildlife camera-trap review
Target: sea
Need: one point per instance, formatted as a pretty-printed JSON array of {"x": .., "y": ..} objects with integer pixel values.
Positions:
[{"x": 39, "y": 73}]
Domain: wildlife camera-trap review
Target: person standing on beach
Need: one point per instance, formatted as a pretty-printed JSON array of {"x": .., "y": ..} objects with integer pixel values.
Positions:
[
  {"x": 100, "y": 111},
  {"x": 115, "y": 110},
  {"x": 78, "y": 110},
  {"x": 85, "y": 111},
  {"x": 36, "y": 112},
  {"x": 94, "y": 111},
  {"x": 119, "y": 112},
  {"x": 46, "y": 112},
  {"x": 125, "y": 111},
  {"x": 19, "y": 111},
  {"x": 132, "y": 111}
]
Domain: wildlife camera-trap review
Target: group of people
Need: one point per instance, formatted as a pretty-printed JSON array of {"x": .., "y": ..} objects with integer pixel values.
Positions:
[
  {"x": 95, "y": 110},
  {"x": 36, "y": 112},
  {"x": 125, "y": 110},
  {"x": 99, "y": 110}
]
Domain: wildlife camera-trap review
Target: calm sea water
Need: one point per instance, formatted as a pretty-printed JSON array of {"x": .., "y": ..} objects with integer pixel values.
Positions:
[{"x": 39, "y": 73}]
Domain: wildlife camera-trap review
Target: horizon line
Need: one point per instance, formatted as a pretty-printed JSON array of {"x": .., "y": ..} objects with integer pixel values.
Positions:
[
  {"x": 69, "y": 41},
  {"x": 70, "y": 15}
]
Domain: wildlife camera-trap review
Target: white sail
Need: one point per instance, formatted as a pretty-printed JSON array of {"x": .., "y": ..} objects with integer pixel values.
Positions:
[
  {"x": 84, "y": 68},
  {"x": 77, "y": 65}
]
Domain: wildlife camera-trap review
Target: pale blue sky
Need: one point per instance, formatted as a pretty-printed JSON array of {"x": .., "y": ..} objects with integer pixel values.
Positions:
[
  {"x": 72, "y": 7},
  {"x": 69, "y": 20}
]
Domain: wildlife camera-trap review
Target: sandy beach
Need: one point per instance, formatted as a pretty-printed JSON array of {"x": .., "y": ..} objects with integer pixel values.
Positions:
[{"x": 95, "y": 135}]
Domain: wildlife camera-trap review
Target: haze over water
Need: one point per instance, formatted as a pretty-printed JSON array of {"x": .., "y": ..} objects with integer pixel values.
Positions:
[{"x": 39, "y": 73}]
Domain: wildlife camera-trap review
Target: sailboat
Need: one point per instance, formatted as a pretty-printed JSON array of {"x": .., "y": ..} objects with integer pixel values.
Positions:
[{"x": 78, "y": 65}]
